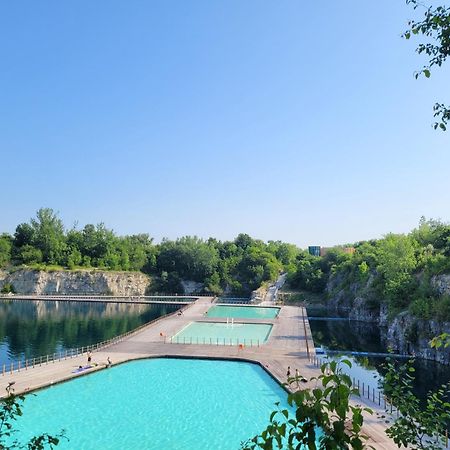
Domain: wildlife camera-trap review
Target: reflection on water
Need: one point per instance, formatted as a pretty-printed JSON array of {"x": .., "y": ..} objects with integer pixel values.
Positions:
[
  {"x": 29, "y": 329},
  {"x": 351, "y": 335}
]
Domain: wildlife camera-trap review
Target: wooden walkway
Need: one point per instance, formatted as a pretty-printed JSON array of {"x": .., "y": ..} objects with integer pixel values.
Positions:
[{"x": 287, "y": 346}]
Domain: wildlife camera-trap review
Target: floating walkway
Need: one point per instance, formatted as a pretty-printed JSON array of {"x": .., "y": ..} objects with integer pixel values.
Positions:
[
  {"x": 354, "y": 353},
  {"x": 143, "y": 299}
]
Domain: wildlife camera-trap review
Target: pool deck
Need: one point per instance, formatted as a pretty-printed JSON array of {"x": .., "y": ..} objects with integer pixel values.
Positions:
[{"x": 287, "y": 346}]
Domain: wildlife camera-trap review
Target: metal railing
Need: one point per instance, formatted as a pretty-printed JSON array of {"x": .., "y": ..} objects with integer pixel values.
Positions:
[
  {"x": 212, "y": 341},
  {"x": 305, "y": 331},
  {"x": 366, "y": 391},
  {"x": 20, "y": 365},
  {"x": 374, "y": 395},
  {"x": 232, "y": 300}
]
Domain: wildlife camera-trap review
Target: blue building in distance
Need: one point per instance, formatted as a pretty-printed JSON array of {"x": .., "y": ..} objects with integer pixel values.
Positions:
[{"x": 314, "y": 250}]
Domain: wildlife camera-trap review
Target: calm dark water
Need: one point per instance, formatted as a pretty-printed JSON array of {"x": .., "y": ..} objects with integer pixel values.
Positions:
[
  {"x": 29, "y": 329},
  {"x": 339, "y": 333}
]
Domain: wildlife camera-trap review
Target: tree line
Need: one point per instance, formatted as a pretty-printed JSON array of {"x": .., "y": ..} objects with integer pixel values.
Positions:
[
  {"x": 235, "y": 267},
  {"x": 397, "y": 270}
]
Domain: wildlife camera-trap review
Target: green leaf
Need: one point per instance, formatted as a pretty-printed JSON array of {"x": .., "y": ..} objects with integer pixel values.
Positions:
[{"x": 346, "y": 362}]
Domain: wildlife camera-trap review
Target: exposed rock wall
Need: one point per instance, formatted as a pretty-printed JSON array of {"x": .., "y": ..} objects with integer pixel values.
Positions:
[
  {"x": 405, "y": 334},
  {"x": 358, "y": 297},
  {"x": 441, "y": 283},
  {"x": 411, "y": 336},
  {"x": 191, "y": 287},
  {"x": 76, "y": 282}
]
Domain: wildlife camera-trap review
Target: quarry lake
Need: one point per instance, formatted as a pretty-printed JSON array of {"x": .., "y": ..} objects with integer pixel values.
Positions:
[
  {"x": 29, "y": 329},
  {"x": 337, "y": 335}
]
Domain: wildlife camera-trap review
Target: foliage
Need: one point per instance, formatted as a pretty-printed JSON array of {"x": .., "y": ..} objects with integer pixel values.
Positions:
[
  {"x": 5, "y": 249},
  {"x": 308, "y": 274},
  {"x": 324, "y": 418},
  {"x": 189, "y": 256},
  {"x": 396, "y": 270},
  {"x": 7, "y": 289},
  {"x": 435, "y": 28},
  {"x": 443, "y": 340},
  {"x": 10, "y": 409},
  {"x": 396, "y": 263},
  {"x": 236, "y": 267},
  {"x": 417, "y": 426}
]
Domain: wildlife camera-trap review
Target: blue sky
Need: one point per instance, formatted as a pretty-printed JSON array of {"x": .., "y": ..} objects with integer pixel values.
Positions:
[{"x": 294, "y": 120}]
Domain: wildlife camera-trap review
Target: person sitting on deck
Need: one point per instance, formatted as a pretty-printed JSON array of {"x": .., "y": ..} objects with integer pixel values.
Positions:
[{"x": 10, "y": 388}]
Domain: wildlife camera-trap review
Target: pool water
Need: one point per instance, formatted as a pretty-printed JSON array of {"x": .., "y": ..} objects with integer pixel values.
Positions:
[
  {"x": 216, "y": 333},
  {"x": 157, "y": 404},
  {"x": 244, "y": 312}
]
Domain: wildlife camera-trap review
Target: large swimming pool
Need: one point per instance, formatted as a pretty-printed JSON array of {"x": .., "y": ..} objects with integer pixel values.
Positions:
[
  {"x": 157, "y": 404},
  {"x": 219, "y": 333},
  {"x": 244, "y": 312}
]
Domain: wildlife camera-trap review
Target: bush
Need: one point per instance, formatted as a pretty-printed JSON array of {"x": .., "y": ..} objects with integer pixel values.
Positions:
[
  {"x": 8, "y": 288},
  {"x": 442, "y": 309},
  {"x": 422, "y": 308}
]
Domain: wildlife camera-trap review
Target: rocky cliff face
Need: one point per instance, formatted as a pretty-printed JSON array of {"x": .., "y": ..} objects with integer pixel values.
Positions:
[
  {"x": 358, "y": 297},
  {"x": 76, "y": 282},
  {"x": 411, "y": 336},
  {"x": 441, "y": 283},
  {"x": 405, "y": 333},
  {"x": 191, "y": 287}
]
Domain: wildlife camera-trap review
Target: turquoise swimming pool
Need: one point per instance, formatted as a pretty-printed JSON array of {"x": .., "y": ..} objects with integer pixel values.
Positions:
[
  {"x": 217, "y": 333},
  {"x": 243, "y": 312},
  {"x": 157, "y": 404}
]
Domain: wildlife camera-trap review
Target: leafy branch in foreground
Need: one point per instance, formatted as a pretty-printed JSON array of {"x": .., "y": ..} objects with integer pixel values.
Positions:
[
  {"x": 417, "y": 426},
  {"x": 435, "y": 27},
  {"x": 10, "y": 410},
  {"x": 319, "y": 418},
  {"x": 443, "y": 340}
]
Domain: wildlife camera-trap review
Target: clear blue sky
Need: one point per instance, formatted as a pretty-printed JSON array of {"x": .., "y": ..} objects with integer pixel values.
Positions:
[{"x": 293, "y": 120}]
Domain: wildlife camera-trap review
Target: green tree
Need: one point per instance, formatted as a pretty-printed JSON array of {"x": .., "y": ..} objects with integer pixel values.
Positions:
[
  {"x": 255, "y": 267},
  {"x": 417, "y": 426},
  {"x": 243, "y": 241},
  {"x": 5, "y": 249},
  {"x": 29, "y": 255},
  {"x": 191, "y": 257},
  {"x": 97, "y": 242},
  {"x": 308, "y": 274},
  {"x": 48, "y": 236},
  {"x": 24, "y": 235},
  {"x": 435, "y": 28},
  {"x": 324, "y": 418},
  {"x": 74, "y": 258},
  {"x": 396, "y": 263}
]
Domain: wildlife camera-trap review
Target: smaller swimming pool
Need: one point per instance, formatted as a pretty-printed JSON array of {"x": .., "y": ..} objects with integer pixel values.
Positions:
[
  {"x": 215, "y": 333},
  {"x": 243, "y": 312}
]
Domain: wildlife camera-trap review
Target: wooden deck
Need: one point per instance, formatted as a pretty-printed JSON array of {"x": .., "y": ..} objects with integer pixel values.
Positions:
[{"x": 287, "y": 346}]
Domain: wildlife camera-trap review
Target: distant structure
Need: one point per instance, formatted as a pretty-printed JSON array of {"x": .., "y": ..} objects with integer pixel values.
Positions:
[{"x": 316, "y": 250}]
